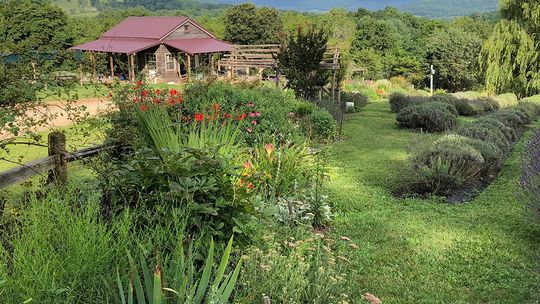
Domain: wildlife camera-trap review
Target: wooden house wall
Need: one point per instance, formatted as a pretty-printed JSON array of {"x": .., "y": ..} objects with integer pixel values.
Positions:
[{"x": 194, "y": 32}]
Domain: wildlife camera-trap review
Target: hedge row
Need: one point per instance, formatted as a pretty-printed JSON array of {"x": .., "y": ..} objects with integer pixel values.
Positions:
[{"x": 473, "y": 153}]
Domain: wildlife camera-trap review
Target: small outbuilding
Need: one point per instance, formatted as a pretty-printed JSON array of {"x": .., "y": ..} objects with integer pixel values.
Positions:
[{"x": 165, "y": 49}]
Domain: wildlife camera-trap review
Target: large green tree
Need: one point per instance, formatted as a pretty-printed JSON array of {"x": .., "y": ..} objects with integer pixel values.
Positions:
[
  {"x": 454, "y": 54},
  {"x": 510, "y": 56},
  {"x": 300, "y": 60},
  {"x": 247, "y": 24},
  {"x": 32, "y": 25}
]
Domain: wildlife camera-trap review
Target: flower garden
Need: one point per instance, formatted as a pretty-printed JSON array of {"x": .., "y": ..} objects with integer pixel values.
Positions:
[{"x": 222, "y": 193}]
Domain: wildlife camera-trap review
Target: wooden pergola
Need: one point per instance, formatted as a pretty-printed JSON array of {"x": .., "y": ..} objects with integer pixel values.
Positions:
[{"x": 264, "y": 56}]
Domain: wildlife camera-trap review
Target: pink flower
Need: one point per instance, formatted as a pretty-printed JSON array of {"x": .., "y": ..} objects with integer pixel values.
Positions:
[
  {"x": 249, "y": 130},
  {"x": 291, "y": 114},
  {"x": 254, "y": 122},
  {"x": 269, "y": 148},
  {"x": 258, "y": 114},
  {"x": 250, "y": 105},
  {"x": 251, "y": 114}
]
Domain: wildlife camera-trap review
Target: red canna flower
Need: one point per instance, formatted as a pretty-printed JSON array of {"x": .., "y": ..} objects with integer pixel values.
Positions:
[
  {"x": 199, "y": 117},
  {"x": 144, "y": 108},
  {"x": 144, "y": 93}
]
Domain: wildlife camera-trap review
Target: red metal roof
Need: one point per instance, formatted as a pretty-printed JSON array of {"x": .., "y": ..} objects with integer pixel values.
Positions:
[
  {"x": 199, "y": 45},
  {"x": 116, "y": 45},
  {"x": 145, "y": 27}
]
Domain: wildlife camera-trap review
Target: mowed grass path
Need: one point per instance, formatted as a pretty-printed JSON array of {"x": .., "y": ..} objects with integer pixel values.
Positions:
[{"x": 425, "y": 251}]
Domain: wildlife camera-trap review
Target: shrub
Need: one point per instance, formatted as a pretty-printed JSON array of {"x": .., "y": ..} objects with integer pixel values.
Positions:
[
  {"x": 399, "y": 101},
  {"x": 506, "y": 100},
  {"x": 531, "y": 107},
  {"x": 485, "y": 131},
  {"x": 358, "y": 99},
  {"x": 446, "y": 165},
  {"x": 444, "y": 98},
  {"x": 467, "y": 107},
  {"x": 470, "y": 95},
  {"x": 530, "y": 175},
  {"x": 431, "y": 117},
  {"x": 320, "y": 123},
  {"x": 511, "y": 117}
]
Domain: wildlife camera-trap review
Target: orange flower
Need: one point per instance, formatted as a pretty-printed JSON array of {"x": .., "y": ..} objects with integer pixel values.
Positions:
[
  {"x": 242, "y": 117},
  {"x": 216, "y": 107},
  {"x": 269, "y": 148},
  {"x": 144, "y": 108},
  {"x": 250, "y": 186},
  {"x": 199, "y": 117},
  {"x": 247, "y": 165}
]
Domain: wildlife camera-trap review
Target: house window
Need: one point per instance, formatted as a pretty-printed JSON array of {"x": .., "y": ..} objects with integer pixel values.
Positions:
[
  {"x": 170, "y": 64},
  {"x": 151, "y": 61},
  {"x": 186, "y": 28}
]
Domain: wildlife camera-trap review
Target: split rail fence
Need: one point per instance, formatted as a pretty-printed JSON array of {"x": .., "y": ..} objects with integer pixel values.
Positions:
[{"x": 55, "y": 165}]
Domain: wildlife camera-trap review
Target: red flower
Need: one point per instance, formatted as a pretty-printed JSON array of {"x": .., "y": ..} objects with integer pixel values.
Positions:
[
  {"x": 144, "y": 93},
  {"x": 136, "y": 100},
  {"x": 242, "y": 117},
  {"x": 158, "y": 91},
  {"x": 216, "y": 107},
  {"x": 171, "y": 101},
  {"x": 144, "y": 108},
  {"x": 173, "y": 92},
  {"x": 250, "y": 186},
  {"x": 179, "y": 100},
  {"x": 199, "y": 117},
  {"x": 139, "y": 84},
  {"x": 155, "y": 100},
  {"x": 227, "y": 115}
]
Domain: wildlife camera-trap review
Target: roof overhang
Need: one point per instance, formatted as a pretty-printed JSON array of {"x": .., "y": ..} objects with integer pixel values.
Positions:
[
  {"x": 199, "y": 45},
  {"x": 117, "y": 45}
]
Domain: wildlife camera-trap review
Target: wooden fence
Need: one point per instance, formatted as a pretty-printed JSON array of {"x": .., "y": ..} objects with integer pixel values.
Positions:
[{"x": 55, "y": 165}]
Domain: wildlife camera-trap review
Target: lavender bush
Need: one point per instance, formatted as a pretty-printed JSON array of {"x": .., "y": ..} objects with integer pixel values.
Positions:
[{"x": 530, "y": 178}]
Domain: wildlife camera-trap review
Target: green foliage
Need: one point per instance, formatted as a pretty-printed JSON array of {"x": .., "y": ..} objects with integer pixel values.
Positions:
[
  {"x": 15, "y": 84},
  {"x": 73, "y": 252},
  {"x": 247, "y": 24},
  {"x": 320, "y": 124},
  {"x": 448, "y": 164},
  {"x": 303, "y": 269},
  {"x": 44, "y": 33},
  {"x": 506, "y": 100},
  {"x": 489, "y": 131},
  {"x": 300, "y": 57},
  {"x": 400, "y": 101},
  {"x": 359, "y": 100},
  {"x": 453, "y": 54},
  {"x": 430, "y": 117},
  {"x": 185, "y": 285},
  {"x": 510, "y": 55}
]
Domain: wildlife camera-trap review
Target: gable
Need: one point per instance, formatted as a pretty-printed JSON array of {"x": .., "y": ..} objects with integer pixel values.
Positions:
[
  {"x": 144, "y": 27},
  {"x": 193, "y": 31}
]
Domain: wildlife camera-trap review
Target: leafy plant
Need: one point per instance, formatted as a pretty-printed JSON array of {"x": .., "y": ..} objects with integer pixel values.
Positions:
[
  {"x": 185, "y": 287},
  {"x": 431, "y": 117}
]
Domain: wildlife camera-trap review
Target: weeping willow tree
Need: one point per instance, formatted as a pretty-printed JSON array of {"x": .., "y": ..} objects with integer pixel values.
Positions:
[{"x": 510, "y": 56}]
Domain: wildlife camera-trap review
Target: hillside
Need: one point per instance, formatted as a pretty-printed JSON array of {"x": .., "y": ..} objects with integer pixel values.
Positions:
[{"x": 426, "y": 8}]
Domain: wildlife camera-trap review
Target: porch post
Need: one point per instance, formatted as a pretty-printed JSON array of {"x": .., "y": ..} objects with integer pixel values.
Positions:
[
  {"x": 94, "y": 71},
  {"x": 111, "y": 63},
  {"x": 189, "y": 67},
  {"x": 132, "y": 66}
]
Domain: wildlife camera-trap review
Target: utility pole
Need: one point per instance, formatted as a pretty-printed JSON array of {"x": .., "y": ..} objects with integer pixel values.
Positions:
[{"x": 431, "y": 74}]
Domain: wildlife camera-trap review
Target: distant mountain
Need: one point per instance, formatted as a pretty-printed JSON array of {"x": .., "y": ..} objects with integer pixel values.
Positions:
[{"x": 427, "y": 8}]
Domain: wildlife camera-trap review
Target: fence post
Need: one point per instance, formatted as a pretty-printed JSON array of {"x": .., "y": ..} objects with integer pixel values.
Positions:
[{"x": 57, "y": 148}]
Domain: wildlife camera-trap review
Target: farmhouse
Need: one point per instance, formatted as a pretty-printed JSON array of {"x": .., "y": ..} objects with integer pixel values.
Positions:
[{"x": 165, "y": 49}]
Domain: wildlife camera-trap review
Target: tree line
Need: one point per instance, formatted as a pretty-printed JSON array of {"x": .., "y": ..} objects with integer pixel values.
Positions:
[{"x": 468, "y": 53}]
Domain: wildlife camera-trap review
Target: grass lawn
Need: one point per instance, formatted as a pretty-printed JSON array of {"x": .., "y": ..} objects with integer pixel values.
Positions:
[
  {"x": 425, "y": 251},
  {"x": 77, "y": 137}
]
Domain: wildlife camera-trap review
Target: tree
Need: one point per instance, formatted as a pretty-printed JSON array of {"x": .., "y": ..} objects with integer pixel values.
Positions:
[
  {"x": 247, "y": 24},
  {"x": 510, "y": 55},
  {"x": 33, "y": 25},
  {"x": 300, "y": 60},
  {"x": 454, "y": 55}
]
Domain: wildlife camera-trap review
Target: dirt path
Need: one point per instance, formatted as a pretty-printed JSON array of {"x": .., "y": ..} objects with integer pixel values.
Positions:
[{"x": 93, "y": 106}]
